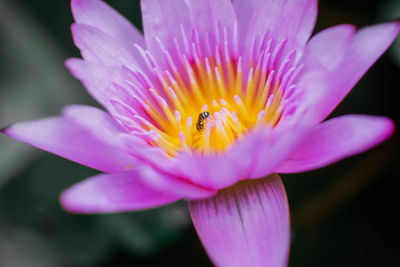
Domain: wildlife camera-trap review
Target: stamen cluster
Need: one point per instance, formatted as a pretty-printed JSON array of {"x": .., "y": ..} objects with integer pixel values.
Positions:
[{"x": 240, "y": 92}]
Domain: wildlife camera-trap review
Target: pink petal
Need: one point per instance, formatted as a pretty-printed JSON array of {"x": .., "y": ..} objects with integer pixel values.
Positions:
[
  {"x": 102, "y": 48},
  {"x": 91, "y": 144},
  {"x": 285, "y": 19},
  {"x": 243, "y": 160},
  {"x": 336, "y": 139},
  {"x": 245, "y": 225},
  {"x": 274, "y": 147},
  {"x": 99, "y": 15},
  {"x": 99, "y": 122},
  {"x": 257, "y": 155},
  {"x": 165, "y": 20},
  {"x": 204, "y": 13},
  {"x": 204, "y": 16},
  {"x": 115, "y": 193},
  {"x": 327, "y": 48},
  {"x": 205, "y": 174},
  {"x": 97, "y": 79},
  {"x": 156, "y": 158},
  {"x": 341, "y": 59},
  {"x": 213, "y": 172},
  {"x": 180, "y": 186}
]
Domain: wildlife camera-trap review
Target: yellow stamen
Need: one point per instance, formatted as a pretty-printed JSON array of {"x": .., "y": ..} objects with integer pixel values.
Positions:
[{"x": 215, "y": 84}]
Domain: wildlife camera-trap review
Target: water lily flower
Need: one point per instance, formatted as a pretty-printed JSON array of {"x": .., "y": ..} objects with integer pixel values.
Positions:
[{"x": 210, "y": 104}]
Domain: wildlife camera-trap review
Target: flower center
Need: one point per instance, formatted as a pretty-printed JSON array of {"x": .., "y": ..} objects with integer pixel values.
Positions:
[{"x": 204, "y": 101}]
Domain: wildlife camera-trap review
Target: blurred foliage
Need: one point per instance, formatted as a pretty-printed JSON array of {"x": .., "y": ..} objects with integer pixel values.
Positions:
[{"x": 344, "y": 215}]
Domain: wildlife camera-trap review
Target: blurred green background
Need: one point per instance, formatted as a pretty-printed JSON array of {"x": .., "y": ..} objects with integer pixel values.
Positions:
[{"x": 344, "y": 215}]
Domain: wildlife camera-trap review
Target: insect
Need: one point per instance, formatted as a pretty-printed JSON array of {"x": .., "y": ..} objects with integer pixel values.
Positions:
[{"x": 201, "y": 121}]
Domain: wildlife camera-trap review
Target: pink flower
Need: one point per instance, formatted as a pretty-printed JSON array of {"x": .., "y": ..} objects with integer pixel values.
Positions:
[{"x": 215, "y": 96}]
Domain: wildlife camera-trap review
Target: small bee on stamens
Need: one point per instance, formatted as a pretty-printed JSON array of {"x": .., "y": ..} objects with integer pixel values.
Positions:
[{"x": 201, "y": 121}]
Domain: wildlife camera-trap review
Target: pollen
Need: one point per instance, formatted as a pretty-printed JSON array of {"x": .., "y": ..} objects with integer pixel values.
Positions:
[{"x": 203, "y": 99}]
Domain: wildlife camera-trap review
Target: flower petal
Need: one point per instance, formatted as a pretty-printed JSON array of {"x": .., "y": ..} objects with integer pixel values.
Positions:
[
  {"x": 206, "y": 15},
  {"x": 223, "y": 170},
  {"x": 165, "y": 20},
  {"x": 214, "y": 172},
  {"x": 327, "y": 83},
  {"x": 156, "y": 158},
  {"x": 274, "y": 147},
  {"x": 245, "y": 225},
  {"x": 257, "y": 155},
  {"x": 99, "y": 15},
  {"x": 285, "y": 19},
  {"x": 336, "y": 139},
  {"x": 204, "y": 174},
  {"x": 97, "y": 79},
  {"x": 99, "y": 122},
  {"x": 115, "y": 193},
  {"x": 327, "y": 48},
  {"x": 92, "y": 145},
  {"x": 101, "y": 48}
]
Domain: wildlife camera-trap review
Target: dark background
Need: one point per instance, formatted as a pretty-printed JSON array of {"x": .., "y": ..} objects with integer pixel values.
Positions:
[{"x": 344, "y": 215}]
